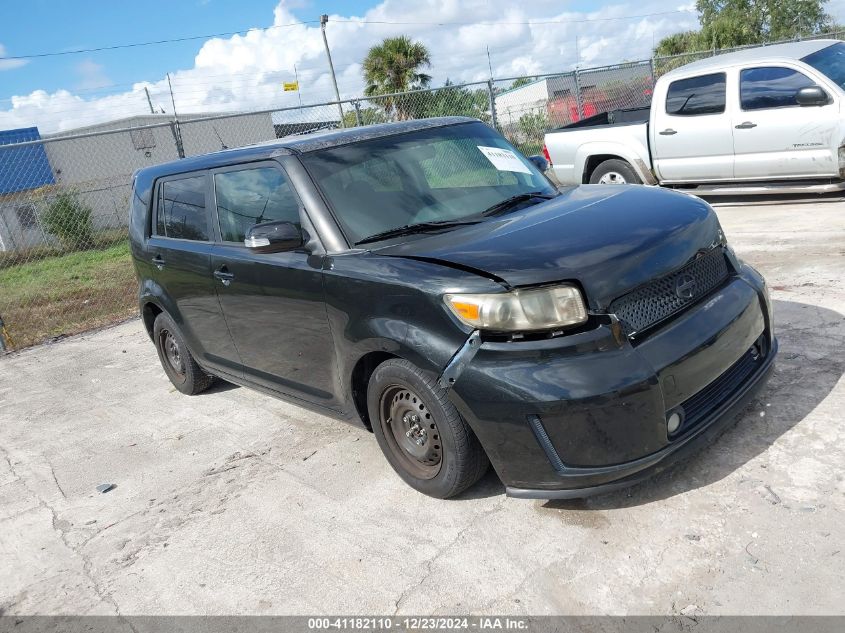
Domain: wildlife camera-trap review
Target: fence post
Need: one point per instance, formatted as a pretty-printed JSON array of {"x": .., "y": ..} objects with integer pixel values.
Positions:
[
  {"x": 651, "y": 70},
  {"x": 578, "y": 100},
  {"x": 493, "y": 118},
  {"x": 357, "y": 105}
]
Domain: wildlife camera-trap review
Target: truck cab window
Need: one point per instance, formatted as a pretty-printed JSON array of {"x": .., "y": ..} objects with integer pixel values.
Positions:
[
  {"x": 696, "y": 95},
  {"x": 770, "y": 87}
]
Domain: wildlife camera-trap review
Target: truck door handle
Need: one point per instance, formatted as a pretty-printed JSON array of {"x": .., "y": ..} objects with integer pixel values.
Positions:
[
  {"x": 224, "y": 275},
  {"x": 158, "y": 262},
  {"x": 745, "y": 126},
  {"x": 668, "y": 132}
]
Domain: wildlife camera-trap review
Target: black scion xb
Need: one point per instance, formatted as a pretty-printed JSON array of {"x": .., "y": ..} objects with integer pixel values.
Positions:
[{"x": 425, "y": 280}]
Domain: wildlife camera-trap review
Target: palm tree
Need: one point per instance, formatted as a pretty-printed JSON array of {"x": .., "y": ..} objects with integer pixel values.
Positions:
[{"x": 393, "y": 66}]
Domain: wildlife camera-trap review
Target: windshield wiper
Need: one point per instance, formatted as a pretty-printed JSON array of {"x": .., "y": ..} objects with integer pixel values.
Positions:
[
  {"x": 509, "y": 203},
  {"x": 409, "y": 229}
]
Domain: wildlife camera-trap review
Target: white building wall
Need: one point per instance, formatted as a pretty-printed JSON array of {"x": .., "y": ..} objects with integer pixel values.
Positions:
[{"x": 528, "y": 99}]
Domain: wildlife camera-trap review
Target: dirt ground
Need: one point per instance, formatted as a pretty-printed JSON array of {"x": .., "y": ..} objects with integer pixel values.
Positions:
[{"x": 233, "y": 502}]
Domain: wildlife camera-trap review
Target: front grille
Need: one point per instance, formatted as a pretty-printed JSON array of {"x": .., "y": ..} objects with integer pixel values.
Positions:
[
  {"x": 648, "y": 305},
  {"x": 697, "y": 407}
]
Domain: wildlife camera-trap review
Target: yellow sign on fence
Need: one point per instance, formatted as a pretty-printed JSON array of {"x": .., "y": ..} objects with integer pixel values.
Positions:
[{"x": 291, "y": 86}]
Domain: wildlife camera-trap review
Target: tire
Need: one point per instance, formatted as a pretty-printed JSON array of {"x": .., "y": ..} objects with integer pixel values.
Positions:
[
  {"x": 450, "y": 458},
  {"x": 614, "y": 172},
  {"x": 176, "y": 359}
]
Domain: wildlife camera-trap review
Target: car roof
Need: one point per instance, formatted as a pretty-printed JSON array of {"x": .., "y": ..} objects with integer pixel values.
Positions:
[
  {"x": 297, "y": 144},
  {"x": 791, "y": 51}
]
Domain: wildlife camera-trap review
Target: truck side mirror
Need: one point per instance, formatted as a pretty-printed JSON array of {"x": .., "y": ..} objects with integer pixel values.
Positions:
[
  {"x": 811, "y": 96},
  {"x": 273, "y": 237}
]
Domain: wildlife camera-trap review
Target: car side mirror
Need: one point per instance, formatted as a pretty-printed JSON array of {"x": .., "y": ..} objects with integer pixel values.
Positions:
[
  {"x": 811, "y": 96},
  {"x": 273, "y": 237},
  {"x": 540, "y": 162}
]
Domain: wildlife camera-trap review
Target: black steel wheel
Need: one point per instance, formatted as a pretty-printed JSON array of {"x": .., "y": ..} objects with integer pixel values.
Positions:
[
  {"x": 411, "y": 432},
  {"x": 176, "y": 359},
  {"x": 421, "y": 433}
]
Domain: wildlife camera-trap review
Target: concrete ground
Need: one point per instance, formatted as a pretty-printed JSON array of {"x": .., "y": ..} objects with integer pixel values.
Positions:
[{"x": 232, "y": 502}]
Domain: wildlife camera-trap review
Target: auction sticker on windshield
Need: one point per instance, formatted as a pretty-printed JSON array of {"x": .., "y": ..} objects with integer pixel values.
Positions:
[{"x": 504, "y": 159}]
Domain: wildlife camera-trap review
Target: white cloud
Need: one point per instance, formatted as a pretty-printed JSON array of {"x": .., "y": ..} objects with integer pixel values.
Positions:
[
  {"x": 246, "y": 71},
  {"x": 9, "y": 64}
]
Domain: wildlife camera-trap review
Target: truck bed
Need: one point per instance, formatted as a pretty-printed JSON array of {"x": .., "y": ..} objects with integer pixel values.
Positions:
[
  {"x": 614, "y": 117},
  {"x": 622, "y": 133}
]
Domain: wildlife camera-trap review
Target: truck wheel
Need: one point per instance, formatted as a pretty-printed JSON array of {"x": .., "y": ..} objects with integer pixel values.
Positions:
[
  {"x": 420, "y": 432},
  {"x": 178, "y": 363},
  {"x": 614, "y": 172}
]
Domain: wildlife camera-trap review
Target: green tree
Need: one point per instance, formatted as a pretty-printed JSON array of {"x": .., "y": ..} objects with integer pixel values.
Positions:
[
  {"x": 532, "y": 127},
  {"x": 728, "y": 23},
  {"x": 69, "y": 220},
  {"x": 394, "y": 66},
  {"x": 522, "y": 81},
  {"x": 452, "y": 100},
  {"x": 368, "y": 116}
]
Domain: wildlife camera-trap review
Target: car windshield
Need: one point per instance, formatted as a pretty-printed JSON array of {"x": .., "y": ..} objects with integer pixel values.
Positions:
[
  {"x": 439, "y": 175},
  {"x": 830, "y": 61}
]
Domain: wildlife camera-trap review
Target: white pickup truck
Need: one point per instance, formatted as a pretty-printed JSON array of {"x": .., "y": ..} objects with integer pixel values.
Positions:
[{"x": 762, "y": 120}]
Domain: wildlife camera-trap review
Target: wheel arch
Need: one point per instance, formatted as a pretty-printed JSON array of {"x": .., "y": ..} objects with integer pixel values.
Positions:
[
  {"x": 590, "y": 155},
  {"x": 149, "y": 312},
  {"x": 594, "y": 161},
  {"x": 360, "y": 379}
]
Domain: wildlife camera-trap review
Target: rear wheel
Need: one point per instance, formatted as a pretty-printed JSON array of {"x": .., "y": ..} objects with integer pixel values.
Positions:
[
  {"x": 178, "y": 363},
  {"x": 614, "y": 172},
  {"x": 420, "y": 432}
]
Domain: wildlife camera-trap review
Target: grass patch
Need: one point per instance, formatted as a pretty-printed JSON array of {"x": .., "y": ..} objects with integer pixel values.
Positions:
[{"x": 67, "y": 294}]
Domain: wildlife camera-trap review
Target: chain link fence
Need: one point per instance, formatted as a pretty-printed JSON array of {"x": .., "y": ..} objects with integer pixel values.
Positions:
[{"x": 64, "y": 198}]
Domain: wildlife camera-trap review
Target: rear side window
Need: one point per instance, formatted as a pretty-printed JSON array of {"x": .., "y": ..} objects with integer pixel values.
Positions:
[
  {"x": 181, "y": 209},
  {"x": 696, "y": 95},
  {"x": 770, "y": 87},
  {"x": 252, "y": 196}
]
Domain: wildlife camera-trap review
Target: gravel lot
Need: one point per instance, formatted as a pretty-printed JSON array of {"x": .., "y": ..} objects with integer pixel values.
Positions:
[{"x": 232, "y": 502}]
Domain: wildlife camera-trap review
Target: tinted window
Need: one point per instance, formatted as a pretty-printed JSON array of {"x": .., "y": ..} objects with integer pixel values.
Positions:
[
  {"x": 181, "y": 209},
  {"x": 770, "y": 87},
  {"x": 253, "y": 196},
  {"x": 830, "y": 61},
  {"x": 697, "y": 95},
  {"x": 440, "y": 174}
]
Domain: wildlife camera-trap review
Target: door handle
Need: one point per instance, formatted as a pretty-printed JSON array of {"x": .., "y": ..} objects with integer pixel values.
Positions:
[
  {"x": 668, "y": 132},
  {"x": 745, "y": 126},
  {"x": 224, "y": 275},
  {"x": 158, "y": 262}
]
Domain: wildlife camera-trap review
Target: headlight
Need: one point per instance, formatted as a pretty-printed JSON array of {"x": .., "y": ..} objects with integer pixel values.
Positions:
[{"x": 520, "y": 310}]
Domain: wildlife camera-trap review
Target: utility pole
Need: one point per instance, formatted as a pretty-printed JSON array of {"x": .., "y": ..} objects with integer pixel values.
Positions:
[
  {"x": 491, "y": 94},
  {"x": 150, "y": 101},
  {"x": 177, "y": 132},
  {"x": 323, "y": 21},
  {"x": 298, "y": 87}
]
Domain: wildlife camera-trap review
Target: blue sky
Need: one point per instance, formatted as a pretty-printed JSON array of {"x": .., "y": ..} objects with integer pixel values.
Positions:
[
  {"x": 229, "y": 73},
  {"x": 36, "y": 26}
]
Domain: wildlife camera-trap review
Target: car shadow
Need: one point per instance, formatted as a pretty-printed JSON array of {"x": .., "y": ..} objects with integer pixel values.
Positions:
[
  {"x": 809, "y": 364},
  {"x": 220, "y": 386}
]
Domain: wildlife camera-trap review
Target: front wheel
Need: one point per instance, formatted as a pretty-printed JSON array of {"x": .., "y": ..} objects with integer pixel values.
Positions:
[
  {"x": 614, "y": 172},
  {"x": 420, "y": 432}
]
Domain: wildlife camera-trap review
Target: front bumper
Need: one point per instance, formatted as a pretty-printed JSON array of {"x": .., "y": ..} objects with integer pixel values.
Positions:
[{"x": 586, "y": 413}]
